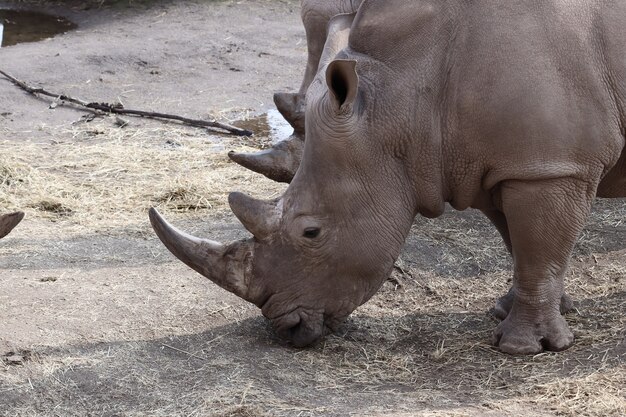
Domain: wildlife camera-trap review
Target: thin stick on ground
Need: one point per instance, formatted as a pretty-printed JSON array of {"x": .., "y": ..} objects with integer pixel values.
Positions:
[
  {"x": 119, "y": 109},
  {"x": 184, "y": 351}
]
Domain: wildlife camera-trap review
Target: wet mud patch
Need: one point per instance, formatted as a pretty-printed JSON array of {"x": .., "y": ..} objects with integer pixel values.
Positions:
[
  {"x": 269, "y": 128},
  {"x": 22, "y": 26}
]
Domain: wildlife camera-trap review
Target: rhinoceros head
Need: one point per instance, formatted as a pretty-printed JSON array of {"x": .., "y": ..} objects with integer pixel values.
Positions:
[{"x": 328, "y": 244}]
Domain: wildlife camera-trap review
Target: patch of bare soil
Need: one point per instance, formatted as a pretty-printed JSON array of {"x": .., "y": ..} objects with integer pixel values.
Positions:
[{"x": 97, "y": 318}]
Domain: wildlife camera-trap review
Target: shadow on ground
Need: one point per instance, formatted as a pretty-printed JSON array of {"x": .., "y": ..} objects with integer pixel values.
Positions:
[{"x": 414, "y": 361}]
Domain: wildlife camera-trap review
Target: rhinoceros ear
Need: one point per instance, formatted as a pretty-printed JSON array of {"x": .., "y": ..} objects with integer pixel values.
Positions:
[
  {"x": 342, "y": 81},
  {"x": 259, "y": 217}
]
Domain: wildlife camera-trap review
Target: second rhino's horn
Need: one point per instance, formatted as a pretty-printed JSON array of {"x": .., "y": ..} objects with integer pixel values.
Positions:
[
  {"x": 229, "y": 266},
  {"x": 259, "y": 217},
  {"x": 9, "y": 221}
]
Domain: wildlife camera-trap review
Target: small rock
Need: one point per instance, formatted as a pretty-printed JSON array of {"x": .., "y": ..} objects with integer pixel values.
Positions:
[
  {"x": 121, "y": 122},
  {"x": 173, "y": 143}
]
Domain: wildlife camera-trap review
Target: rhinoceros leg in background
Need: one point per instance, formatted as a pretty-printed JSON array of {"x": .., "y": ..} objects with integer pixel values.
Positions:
[
  {"x": 326, "y": 34},
  {"x": 544, "y": 219},
  {"x": 613, "y": 185},
  {"x": 9, "y": 221},
  {"x": 504, "y": 303}
]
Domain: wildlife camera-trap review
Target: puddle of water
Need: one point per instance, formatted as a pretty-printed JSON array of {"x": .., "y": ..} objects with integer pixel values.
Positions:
[
  {"x": 19, "y": 26},
  {"x": 270, "y": 125}
]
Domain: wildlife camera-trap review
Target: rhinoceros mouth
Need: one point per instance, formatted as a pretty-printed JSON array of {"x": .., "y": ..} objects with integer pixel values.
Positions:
[
  {"x": 305, "y": 327},
  {"x": 302, "y": 327}
]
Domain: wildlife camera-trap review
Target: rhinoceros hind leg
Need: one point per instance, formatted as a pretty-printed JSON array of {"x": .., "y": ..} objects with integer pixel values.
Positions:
[
  {"x": 9, "y": 221},
  {"x": 278, "y": 163},
  {"x": 292, "y": 107},
  {"x": 504, "y": 304}
]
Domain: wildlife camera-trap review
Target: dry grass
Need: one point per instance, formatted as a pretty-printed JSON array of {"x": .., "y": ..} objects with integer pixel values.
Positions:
[{"x": 102, "y": 177}]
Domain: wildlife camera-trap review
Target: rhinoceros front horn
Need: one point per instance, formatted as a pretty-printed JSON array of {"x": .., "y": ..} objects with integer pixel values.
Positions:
[
  {"x": 9, "y": 221},
  {"x": 229, "y": 266}
]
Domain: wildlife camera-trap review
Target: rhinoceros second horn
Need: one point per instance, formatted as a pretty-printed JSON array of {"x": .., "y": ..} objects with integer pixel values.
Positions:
[{"x": 259, "y": 217}]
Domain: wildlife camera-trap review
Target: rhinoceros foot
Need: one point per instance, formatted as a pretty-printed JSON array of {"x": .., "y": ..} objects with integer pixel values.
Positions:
[
  {"x": 278, "y": 163},
  {"x": 292, "y": 107},
  {"x": 504, "y": 304},
  {"x": 9, "y": 221},
  {"x": 533, "y": 331}
]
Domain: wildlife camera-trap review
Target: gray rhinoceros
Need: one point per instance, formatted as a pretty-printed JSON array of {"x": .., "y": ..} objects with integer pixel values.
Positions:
[
  {"x": 9, "y": 221},
  {"x": 514, "y": 108}
]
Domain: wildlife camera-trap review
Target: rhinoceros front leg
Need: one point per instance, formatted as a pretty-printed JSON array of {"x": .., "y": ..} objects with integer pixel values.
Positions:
[
  {"x": 504, "y": 303},
  {"x": 544, "y": 219}
]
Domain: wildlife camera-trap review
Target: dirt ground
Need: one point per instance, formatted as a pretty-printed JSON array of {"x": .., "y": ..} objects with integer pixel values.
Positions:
[{"x": 98, "y": 319}]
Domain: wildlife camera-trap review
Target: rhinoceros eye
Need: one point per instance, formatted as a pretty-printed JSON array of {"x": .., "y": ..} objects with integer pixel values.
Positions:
[{"x": 311, "y": 232}]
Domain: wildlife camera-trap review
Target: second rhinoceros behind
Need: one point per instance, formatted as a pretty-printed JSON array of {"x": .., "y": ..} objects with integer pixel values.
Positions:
[
  {"x": 513, "y": 108},
  {"x": 9, "y": 221}
]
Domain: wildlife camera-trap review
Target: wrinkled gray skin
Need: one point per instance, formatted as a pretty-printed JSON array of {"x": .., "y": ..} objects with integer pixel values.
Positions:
[
  {"x": 324, "y": 40},
  {"x": 513, "y": 108},
  {"x": 9, "y": 221}
]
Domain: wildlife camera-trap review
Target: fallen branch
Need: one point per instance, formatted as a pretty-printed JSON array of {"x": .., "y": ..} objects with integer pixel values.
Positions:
[{"x": 119, "y": 109}]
